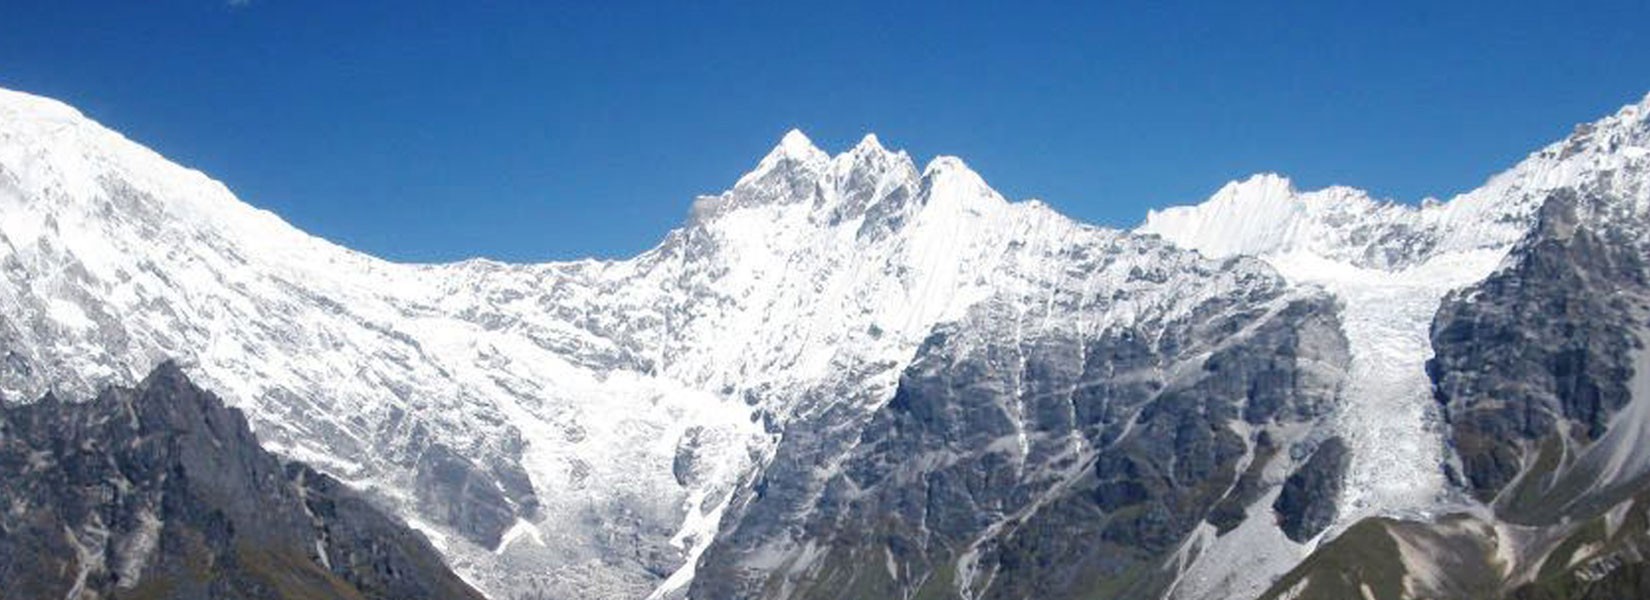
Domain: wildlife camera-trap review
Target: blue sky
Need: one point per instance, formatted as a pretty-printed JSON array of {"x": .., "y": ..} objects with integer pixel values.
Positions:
[{"x": 542, "y": 130}]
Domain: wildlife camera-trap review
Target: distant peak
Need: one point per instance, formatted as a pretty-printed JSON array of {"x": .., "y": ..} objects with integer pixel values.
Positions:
[
  {"x": 1262, "y": 188},
  {"x": 796, "y": 145},
  {"x": 950, "y": 172},
  {"x": 869, "y": 143},
  {"x": 870, "y": 150},
  {"x": 1264, "y": 181}
]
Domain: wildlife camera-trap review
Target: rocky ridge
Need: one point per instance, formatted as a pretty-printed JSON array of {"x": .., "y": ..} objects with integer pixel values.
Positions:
[{"x": 160, "y": 491}]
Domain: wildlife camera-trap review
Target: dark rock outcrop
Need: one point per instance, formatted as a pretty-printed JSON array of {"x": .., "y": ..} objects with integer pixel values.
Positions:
[
  {"x": 1539, "y": 356},
  {"x": 461, "y": 494},
  {"x": 1308, "y": 503},
  {"x": 161, "y": 491}
]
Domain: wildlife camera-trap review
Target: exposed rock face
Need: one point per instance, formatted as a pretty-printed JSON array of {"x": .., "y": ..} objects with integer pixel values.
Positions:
[
  {"x": 1039, "y": 463},
  {"x": 1538, "y": 358},
  {"x": 162, "y": 491},
  {"x": 452, "y": 488}
]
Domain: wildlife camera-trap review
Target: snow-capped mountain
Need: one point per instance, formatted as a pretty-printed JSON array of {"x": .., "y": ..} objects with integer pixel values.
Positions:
[
  {"x": 567, "y": 428},
  {"x": 926, "y": 499},
  {"x": 846, "y": 376}
]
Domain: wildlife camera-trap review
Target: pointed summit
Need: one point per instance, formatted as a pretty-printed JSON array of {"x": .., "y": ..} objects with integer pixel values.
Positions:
[
  {"x": 870, "y": 149},
  {"x": 869, "y": 153},
  {"x": 869, "y": 143},
  {"x": 952, "y": 171},
  {"x": 795, "y": 145},
  {"x": 1260, "y": 187},
  {"x": 1257, "y": 215}
]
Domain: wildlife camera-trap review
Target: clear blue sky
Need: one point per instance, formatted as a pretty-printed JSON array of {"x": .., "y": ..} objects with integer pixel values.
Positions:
[{"x": 536, "y": 130}]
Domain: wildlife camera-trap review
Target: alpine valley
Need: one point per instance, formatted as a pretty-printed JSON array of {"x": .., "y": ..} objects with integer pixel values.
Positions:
[{"x": 846, "y": 377}]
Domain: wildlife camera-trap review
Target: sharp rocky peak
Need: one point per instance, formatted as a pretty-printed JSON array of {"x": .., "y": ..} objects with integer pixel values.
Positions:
[
  {"x": 796, "y": 153},
  {"x": 844, "y": 187},
  {"x": 795, "y": 146},
  {"x": 162, "y": 490}
]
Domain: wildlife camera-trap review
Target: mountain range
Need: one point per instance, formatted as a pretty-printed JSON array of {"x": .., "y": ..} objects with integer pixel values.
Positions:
[{"x": 849, "y": 376}]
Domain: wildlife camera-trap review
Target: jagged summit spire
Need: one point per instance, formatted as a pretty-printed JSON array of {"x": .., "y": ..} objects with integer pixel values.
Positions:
[
  {"x": 869, "y": 143},
  {"x": 795, "y": 145},
  {"x": 870, "y": 151}
]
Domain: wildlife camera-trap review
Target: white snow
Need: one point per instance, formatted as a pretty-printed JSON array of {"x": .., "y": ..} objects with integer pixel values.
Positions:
[
  {"x": 70, "y": 315},
  {"x": 521, "y": 530},
  {"x": 431, "y": 533}
]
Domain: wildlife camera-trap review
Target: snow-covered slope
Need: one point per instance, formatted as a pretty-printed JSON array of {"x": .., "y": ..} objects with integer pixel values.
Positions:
[{"x": 116, "y": 258}]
